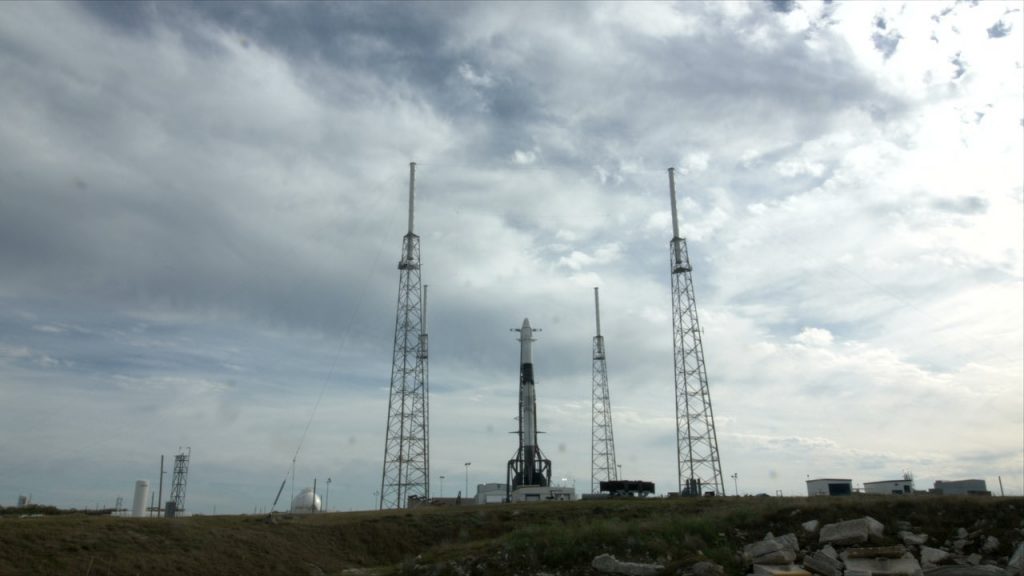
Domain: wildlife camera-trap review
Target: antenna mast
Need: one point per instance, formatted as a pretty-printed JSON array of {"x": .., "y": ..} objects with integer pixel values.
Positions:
[
  {"x": 602, "y": 440},
  {"x": 406, "y": 471},
  {"x": 696, "y": 440}
]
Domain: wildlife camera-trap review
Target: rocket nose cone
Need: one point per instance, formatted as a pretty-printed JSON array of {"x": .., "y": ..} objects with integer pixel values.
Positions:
[{"x": 526, "y": 323}]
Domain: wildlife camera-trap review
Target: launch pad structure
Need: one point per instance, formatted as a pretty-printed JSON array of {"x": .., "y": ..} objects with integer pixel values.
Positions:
[
  {"x": 699, "y": 468},
  {"x": 528, "y": 467},
  {"x": 406, "y": 470}
]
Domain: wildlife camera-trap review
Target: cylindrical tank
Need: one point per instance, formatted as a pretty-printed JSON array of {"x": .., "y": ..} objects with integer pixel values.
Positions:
[
  {"x": 306, "y": 502},
  {"x": 141, "y": 493}
]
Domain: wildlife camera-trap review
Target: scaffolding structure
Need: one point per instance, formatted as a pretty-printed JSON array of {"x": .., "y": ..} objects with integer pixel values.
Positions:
[
  {"x": 602, "y": 438},
  {"x": 179, "y": 483},
  {"x": 406, "y": 471},
  {"x": 700, "y": 470}
]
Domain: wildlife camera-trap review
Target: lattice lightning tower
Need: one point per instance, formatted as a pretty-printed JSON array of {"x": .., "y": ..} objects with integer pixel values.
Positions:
[
  {"x": 696, "y": 441},
  {"x": 602, "y": 440},
  {"x": 406, "y": 449},
  {"x": 179, "y": 482}
]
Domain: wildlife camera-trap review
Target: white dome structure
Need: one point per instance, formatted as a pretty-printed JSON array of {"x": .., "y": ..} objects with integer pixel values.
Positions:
[{"x": 306, "y": 502}]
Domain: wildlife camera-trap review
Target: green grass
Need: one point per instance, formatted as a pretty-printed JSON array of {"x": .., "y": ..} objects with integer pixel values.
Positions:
[{"x": 499, "y": 539}]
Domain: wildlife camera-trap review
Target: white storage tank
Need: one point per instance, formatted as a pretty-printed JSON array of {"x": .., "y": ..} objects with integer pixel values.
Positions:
[
  {"x": 306, "y": 502},
  {"x": 141, "y": 493}
]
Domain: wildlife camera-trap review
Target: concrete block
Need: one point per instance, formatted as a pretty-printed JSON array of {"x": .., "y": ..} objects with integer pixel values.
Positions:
[
  {"x": 707, "y": 568},
  {"x": 911, "y": 539},
  {"x": 884, "y": 566},
  {"x": 852, "y": 532},
  {"x": 966, "y": 571},
  {"x": 991, "y": 545},
  {"x": 878, "y": 552},
  {"x": 780, "y": 570},
  {"x": 811, "y": 526},
  {"x": 777, "y": 550},
  {"x": 821, "y": 563},
  {"x": 1016, "y": 564},
  {"x": 608, "y": 564},
  {"x": 932, "y": 556}
]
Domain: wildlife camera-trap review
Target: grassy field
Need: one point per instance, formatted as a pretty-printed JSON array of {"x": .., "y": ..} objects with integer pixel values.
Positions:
[{"x": 499, "y": 539}]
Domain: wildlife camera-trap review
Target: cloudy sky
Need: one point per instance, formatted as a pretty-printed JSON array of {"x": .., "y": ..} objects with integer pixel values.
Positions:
[{"x": 202, "y": 207}]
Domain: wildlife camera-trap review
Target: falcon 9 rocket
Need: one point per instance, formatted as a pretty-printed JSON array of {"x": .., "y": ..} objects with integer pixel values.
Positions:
[{"x": 529, "y": 467}]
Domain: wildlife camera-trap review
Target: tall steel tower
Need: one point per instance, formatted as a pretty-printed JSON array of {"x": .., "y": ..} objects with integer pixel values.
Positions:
[
  {"x": 696, "y": 441},
  {"x": 179, "y": 482},
  {"x": 602, "y": 440},
  {"x": 406, "y": 449}
]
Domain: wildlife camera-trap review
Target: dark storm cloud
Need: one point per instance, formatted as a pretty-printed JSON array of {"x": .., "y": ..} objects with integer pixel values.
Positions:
[{"x": 784, "y": 6}]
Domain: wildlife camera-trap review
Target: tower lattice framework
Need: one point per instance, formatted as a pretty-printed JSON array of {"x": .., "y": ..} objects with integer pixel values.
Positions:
[
  {"x": 602, "y": 438},
  {"x": 179, "y": 482},
  {"x": 700, "y": 469},
  {"x": 406, "y": 471}
]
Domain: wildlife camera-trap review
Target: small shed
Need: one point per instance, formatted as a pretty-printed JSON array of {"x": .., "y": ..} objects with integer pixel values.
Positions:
[{"x": 830, "y": 487}]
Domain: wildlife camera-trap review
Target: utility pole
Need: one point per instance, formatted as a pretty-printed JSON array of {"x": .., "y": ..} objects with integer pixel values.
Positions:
[
  {"x": 160, "y": 497},
  {"x": 696, "y": 440},
  {"x": 406, "y": 470}
]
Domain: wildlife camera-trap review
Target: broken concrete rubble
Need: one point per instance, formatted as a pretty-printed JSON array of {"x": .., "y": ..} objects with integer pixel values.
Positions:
[
  {"x": 780, "y": 570},
  {"x": 772, "y": 550},
  {"x": 911, "y": 539},
  {"x": 852, "y": 532},
  {"x": 991, "y": 545},
  {"x": 608, "y": 564},
  {"x": 707, "y": 568},
  {"x": 884, "y": 566},
  {"x": 1016, "y": 564},
  {"x": 966, "y": 571},
  {"x": 822, "y": 563},
  {"x": 932, "y": 556},
  {"x": 879, "y": 552}
]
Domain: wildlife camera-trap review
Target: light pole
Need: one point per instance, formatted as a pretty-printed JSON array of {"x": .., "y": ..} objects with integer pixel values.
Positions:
[
  {"x": 620, "y": 472},
  {"x": 376, "y": 499},
  {"x": 735, "y": 485},
  {"x": 442, "y": 486},
  {"x": 327, "y": 495},
  {"x": 466, "y": 495}
]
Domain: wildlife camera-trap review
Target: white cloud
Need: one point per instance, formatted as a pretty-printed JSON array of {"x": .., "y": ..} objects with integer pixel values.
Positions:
[{"x": 816, "y": 337}]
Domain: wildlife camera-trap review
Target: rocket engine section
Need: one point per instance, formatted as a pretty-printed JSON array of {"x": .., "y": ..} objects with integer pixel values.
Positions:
[{"x": 529, "y": 467}]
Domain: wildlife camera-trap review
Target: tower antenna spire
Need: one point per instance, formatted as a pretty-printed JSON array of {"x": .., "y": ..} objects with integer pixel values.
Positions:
[
  {"x": 602, "y": 438},
  {"x": 699, "y": 466},
  {"x": 406, "y": 472}
]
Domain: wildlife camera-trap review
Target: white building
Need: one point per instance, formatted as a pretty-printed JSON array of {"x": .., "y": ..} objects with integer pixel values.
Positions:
[
  {"x": 830, "y": 487},
  {"x": 953, "y": 487},
  {"x": 490, "y": 493},
  {"x": 889, "y": 487},
  {"x": 543, "y": 493}
]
